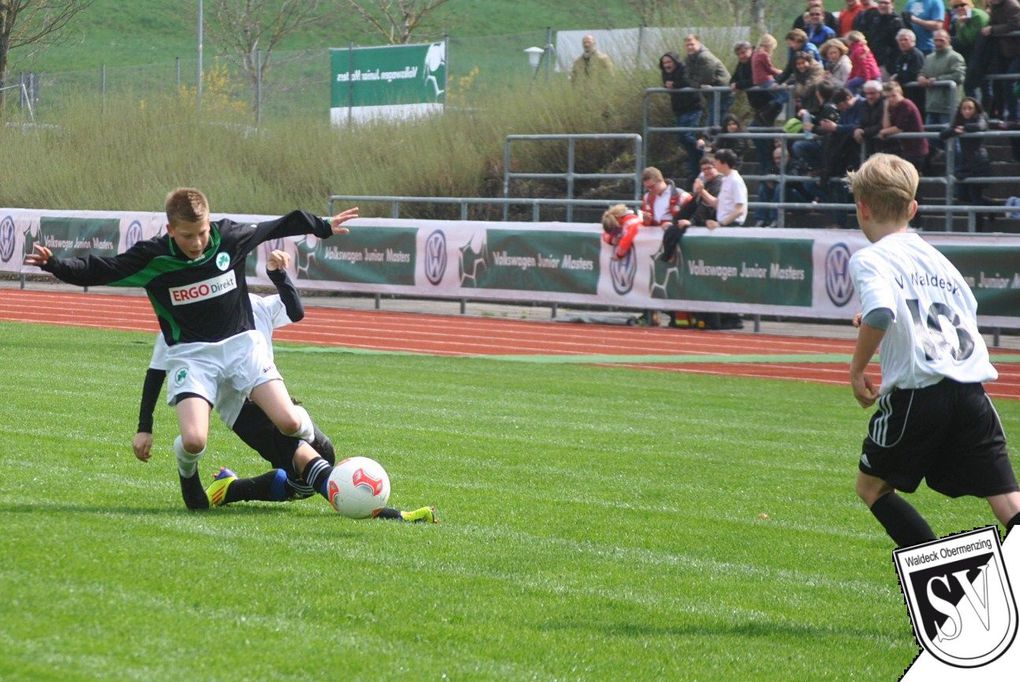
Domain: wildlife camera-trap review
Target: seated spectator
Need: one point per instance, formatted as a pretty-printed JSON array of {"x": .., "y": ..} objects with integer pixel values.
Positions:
[
  {"x": 807, "y": 73},
  {"x": 705, "y": 189},
  {"x": 720, "y": 140},
  {"x": 796, "y": 42},
  {"x": 829, "y": 17},
  {"x": 731, "y": 203},
  {"x": 764, "y": 74},
  {"x": 871, "y": 114},
  {"x": 836, "y": 62},
  {"x": 768, "y": 190},
  {"x": 944, "y": 64},
  {"x": 817, "y": 32},
  {"x": 882, "y": 36},
  {"x": 807, "y": 153},
  {"x": 841, "y": 151},
  {"x": 863, "y": 65},
  {"x": 972, "y": 160},
  {"x": 687, "y": 106},
  {"x": 924, "y": 17},
  {"x": 902, "y": 116},
  {"x": 908, "y": 66},
  {"x": 965, "y": 28}
]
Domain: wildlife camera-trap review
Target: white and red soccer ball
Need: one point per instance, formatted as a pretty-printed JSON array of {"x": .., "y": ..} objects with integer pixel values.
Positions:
[{"x": 358, "y": 487}]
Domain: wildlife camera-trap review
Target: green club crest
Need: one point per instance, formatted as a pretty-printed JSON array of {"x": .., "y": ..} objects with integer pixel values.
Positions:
[
  {"x": 181, "y": 375},
  {"x": 223, "y": 260}
]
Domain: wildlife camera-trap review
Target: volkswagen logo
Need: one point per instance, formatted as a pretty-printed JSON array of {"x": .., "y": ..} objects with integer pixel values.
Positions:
[
  {"x": 6, "y": 238},
  {"x": 622, "y": 272},
  {"x": 838, "y": 284},
  {"x": 133, "y": 235},
  {"x": 435, "y": 257}
]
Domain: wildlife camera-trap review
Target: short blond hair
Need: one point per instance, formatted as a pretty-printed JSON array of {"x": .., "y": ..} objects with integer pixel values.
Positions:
[
  {"x": 856, "y": 37},
  {"x": 833, "y": 44},
  {"x": 887, "y": 184},
  {"x": 611, "y": 218},
  {"x": 651, "y": 173},
  {"x": 767, "y": 41},
  {"x": 186, "y": 204}
]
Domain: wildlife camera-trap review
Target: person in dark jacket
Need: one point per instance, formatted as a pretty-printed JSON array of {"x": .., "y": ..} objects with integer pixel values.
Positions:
[
  {"x": 870, "y": 123},
  {"x": 881, "y": 35},
  {"x": 687, "y": 106},
  {"x": 972, "y": 159}
]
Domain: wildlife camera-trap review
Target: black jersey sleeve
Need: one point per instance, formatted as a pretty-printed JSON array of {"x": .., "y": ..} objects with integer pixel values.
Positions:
[
  {"x": 289, "y": 295},
  {"x": 96, "y": 270},
  {"x": 293, "y": 224},
  {"x": 150, "y": 394}
]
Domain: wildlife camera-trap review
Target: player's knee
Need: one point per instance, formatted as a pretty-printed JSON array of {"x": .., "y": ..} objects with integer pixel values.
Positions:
[
  {"x": 869, "y": 489},
  {"x": 193, "y": 443},
  {"x": 289, "y": 424}
]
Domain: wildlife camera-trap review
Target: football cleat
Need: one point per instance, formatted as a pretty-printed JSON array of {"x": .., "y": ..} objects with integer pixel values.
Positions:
[
  {"x": 191, "y": 489},
  {"x": 423, "y": 515},
  {"x": 217, "y": 492}
]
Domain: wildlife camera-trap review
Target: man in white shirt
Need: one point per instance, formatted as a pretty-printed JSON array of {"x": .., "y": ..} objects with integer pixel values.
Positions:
[
  {"x": 731, "y": 203},
  {"x": 934, "y": 420}
]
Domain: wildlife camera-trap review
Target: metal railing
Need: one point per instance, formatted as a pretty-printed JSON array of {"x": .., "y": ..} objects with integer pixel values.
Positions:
[{"x": 570, "y": 175}]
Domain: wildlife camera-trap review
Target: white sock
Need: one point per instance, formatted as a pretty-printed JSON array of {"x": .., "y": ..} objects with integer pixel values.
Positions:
[
  {"x": 187, "y": 463},
  {"x": 306, "y": 432}
]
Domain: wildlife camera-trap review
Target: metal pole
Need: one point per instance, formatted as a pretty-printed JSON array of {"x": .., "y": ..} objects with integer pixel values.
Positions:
[
  {"x": 350, "y": 83},
  {"x": 102, "y": 87},
  {"x": 198, "y": 69},
  {"x": 549, "y": 52},
  {"x": 177, "y": 71},
  {"x": 258, "y": 88},
  {"x": 570, "y": 177}
]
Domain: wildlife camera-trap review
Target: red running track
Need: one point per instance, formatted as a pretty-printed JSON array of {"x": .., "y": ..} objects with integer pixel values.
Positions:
[{"x": 460, "y": 335}]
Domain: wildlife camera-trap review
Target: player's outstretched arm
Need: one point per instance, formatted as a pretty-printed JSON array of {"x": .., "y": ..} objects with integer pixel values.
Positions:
[
  {"x": 337, "y": 221},
  {"x": 40, "y": 257},
  {"x": 276, "y": 269}
]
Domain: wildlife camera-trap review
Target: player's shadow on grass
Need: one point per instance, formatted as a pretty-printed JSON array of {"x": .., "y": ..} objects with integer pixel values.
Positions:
[
  {"x": 78, "y": 508},
  {"x": 700, "y": 628}
]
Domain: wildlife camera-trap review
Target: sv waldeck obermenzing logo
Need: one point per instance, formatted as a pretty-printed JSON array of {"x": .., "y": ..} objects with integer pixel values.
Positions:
[{"x": 959, "y": 597}]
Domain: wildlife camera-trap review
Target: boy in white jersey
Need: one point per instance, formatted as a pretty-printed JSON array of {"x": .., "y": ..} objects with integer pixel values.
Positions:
[{"x": 934, "y": 420}]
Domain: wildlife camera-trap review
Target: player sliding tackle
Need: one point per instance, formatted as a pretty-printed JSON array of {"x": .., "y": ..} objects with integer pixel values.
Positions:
[
  {"x": 194, "y": 278},
  {"x": 247, "y": 420}
]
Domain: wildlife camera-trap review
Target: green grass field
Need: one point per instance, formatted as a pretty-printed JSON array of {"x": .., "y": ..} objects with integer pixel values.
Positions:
[{"x": 597, "y": 523}]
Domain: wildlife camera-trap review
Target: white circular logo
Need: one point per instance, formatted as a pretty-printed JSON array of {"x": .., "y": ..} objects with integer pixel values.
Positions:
[{"x": 223, "y": 260}]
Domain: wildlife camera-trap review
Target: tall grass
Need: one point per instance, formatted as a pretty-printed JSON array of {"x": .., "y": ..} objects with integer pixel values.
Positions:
[{"x": 125, "y": 154}]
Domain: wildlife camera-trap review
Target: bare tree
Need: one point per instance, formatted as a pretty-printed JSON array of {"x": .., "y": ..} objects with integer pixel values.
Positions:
[
  {"x": 396, "y": 20},
  {"x": 32, "y": 22},
  {"x": 247, "y": 27}
]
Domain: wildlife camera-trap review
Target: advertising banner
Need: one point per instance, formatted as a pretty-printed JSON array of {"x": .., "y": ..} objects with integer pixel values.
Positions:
[{"x": 393, "y": 81}]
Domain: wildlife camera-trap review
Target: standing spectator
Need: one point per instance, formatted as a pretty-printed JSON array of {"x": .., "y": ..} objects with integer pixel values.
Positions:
[
  {"x": 705, "y": 189},
  {"x": 817, "y": 32},
  {"x": 807, "y": 73},
  {"x": 731, "y": 204},
  {"x": 847, "y": 16},
  {"x": 742, "y": 79},
  {"x": 924, "y": 17},
  {"x": 872, "y": 113},
  {"x": 796, "y": 42},
  {"x": 830, "y": 18},
  {"x": 721, "y": 140},
  {"x": 687, "y": 106},
  {"x": 1002, "y": 54},
  {"x": 836, "y": 62},
  {"x": 944, "y": 64},
  {"x": 965, "y": 28},
  {"x": 972, "y": 161},
  {"x": 841, "y": 150},
  {"x": 592, "y": 64},
  {"x": 908, "y": 66},
  {"x": 867, "y": 18},
  {"x": 882, "y": 37},
  {"x": 705, "y": 69},
  {"x": 768, "y": 190},
  {"x": 662, "y": 200},
  {"x": 863, "y": 66},
  {"x": 902, "y": 116}
]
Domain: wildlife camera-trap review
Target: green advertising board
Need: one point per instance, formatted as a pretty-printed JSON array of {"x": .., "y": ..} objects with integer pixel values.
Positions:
[
  {"x": 768, "y": 271},
  {"x": 76, "y": 237},
  {"x": 993, "y": 273},
  {"x": 364, "y": 256},
  {"x": 541, "y": 261},
  {"x": 394, "y": 80}
]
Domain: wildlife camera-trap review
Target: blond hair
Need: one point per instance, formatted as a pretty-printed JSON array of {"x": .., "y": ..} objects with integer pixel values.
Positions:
[
  {"x": 833, "y": 44},
  {"x": 887, "y": 184},
  {"x": 651, "y": 173},
  {"x": 611, "y": 218},
  {"x": 187, "y": 205},
  {"x": 767, "y": 41},
  {"x": 856, "y": 37}
]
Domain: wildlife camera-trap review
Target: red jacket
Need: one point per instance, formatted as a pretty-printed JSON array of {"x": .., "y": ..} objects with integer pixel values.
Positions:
[
  {"x": 677, "y": 199},
  {"x": 623, "y": 238}
]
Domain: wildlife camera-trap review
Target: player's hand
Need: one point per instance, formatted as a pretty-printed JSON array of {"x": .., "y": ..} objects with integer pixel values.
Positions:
[
  {"x": 277, "y": 260},
  {"x": 337, "y": 221},
  {"x": 142, "y": 445},
  {"x": 865, "y": 392},
  {"x": 40, "y": 257},
  {"x": 857, "y": 320}
]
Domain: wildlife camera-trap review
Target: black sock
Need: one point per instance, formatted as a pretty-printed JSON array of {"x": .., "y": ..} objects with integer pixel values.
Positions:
[
  {"x": 1012, "y": 522},
  {"x": 389, "y": 513},
  {"x": 259, "y": 488},
  {"x": 193, "y": 492},
  {"x": 316, "y": 474},
  {"x": 901, "y": 521}
]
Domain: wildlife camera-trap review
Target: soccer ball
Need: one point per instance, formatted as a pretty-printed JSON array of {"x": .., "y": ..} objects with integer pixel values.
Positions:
[{"x": 358, "y": 487}]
